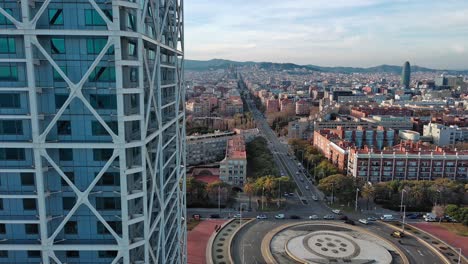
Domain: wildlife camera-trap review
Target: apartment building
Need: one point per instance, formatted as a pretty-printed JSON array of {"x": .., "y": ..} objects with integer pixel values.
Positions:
[
  {"x": 408, "y": 161},
  {"x": 233, "y": 168}
]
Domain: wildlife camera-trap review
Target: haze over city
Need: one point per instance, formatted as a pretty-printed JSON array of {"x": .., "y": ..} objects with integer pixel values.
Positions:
[{"x": 358, "y": 33}]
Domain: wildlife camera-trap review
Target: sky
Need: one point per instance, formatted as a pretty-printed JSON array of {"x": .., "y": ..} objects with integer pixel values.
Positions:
[{"x": 360, "y": 33}]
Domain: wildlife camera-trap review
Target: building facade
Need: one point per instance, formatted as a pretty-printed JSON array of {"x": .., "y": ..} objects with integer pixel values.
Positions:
[
  {"x": 207, "y": 148},
  {"x": 409, "y": 161},
  {"x": 443, "y": 135},
  {"x": 92, "y": 138},
  {"x": 233, "y": 168}
]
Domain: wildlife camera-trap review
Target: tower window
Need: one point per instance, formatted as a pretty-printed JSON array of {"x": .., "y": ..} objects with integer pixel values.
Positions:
[
  {"x": 11, "y": 127},
  {"x": 68, "y": 202},
  {"x": 102, "y": 74},
  {"x": 71, "y": 177},
  {"x": 71, "y": 228},
  {"x": 73, "y": 254},
  {"x": 4, "y": 20},
  {"x": 107, "y": 203},
  {"x": 55, "y": 17},
  {"x": 8, "y": 73},
  {"x": 95, "y": 46},
  {"x": 101, "y": 101},
  {"x": 12, "y": 154},
  {"x": 9, "y": 100},
  {"x": 57, "y": 76},
  {"x": 27, "y": 179},
  {"x": 102, "y": 154},
  {"x": 64, "y": 128},
  {"x": 57, "y": 45},
  {"x": 66, "y": 154},
  {"x": 31, "y": 229},
  {"x": 29, "y": 204},
  {"x": 92, "y": 17},
  {"x": 7, "y": 45}
]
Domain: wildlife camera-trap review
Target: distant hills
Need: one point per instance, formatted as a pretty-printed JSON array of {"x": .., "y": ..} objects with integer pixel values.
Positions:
[{"x": 216, "y": 64}]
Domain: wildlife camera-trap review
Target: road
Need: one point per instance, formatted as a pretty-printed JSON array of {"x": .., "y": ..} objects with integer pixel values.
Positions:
[{"x": 287, "y": 162}]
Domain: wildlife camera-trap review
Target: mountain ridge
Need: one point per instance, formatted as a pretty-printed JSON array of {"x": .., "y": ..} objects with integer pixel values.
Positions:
[{"x": 216, "y": 64}]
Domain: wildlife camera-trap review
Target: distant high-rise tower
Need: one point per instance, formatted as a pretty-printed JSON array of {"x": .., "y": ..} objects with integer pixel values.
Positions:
[
  {"x": 92, "y": 129},
  {"x": 406, "y": 75}
]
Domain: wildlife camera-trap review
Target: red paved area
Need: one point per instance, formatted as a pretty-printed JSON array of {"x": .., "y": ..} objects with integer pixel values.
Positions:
[
  {"x": 450, "y": 238},
  {"x": 198, "y": 238}
]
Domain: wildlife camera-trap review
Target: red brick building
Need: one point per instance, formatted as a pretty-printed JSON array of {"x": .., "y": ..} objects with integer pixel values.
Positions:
[{"x": 361, "y": 112}]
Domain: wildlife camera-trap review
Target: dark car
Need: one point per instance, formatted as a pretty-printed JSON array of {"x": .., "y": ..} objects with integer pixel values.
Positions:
[
  {"x": 295, "y": 217},
  {"x": 215, "y": 216},
  {"x": 343, "y": 217},
  {"x": 350, "y": 222}
]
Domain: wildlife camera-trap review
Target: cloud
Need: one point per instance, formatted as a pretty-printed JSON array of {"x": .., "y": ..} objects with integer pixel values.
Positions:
[{"x": 328, "y": 32}]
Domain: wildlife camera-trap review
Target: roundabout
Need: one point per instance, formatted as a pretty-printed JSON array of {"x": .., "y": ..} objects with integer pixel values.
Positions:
[{"x": 322, "y": 242}]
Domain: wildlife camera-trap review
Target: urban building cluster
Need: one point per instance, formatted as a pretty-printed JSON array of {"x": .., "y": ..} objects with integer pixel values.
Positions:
[{"x": 377, "y": 126}]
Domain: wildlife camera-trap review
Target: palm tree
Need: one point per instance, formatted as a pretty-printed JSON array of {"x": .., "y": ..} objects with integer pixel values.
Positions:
[{"x": 249, "y": 189}]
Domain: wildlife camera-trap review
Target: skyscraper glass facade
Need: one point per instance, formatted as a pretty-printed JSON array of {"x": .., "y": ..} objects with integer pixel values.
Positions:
[{"x": 92, "y": 132}]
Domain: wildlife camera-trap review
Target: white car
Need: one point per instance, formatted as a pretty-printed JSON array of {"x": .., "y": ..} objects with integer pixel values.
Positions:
[
  {"x": 262, "y": 216},
  {"x": 314, "y": 198},
  {"x": 336, "y": 211},
  {"x": 313, "y": 217},
  {"x": 363, "y": 221},
  {"x": 279, "y": 216}
]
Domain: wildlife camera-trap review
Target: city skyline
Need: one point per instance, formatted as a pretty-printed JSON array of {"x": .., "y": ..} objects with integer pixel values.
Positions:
[{"x": 360, "y": 33}]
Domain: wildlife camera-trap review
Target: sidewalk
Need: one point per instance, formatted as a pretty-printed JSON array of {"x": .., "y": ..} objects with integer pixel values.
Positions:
[
  {"x": 443, "y": 234},
  {"x": 197, "y": 240}
]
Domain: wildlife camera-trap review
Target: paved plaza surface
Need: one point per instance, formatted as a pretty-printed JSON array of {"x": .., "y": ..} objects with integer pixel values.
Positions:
[
  {"x": 197, "y": 239},
  {"x": 443, "y": 234},
  {"x": 331, "y": 243}
]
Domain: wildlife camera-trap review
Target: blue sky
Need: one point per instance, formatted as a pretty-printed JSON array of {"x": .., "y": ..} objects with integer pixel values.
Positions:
[{"x": 330, "y": 32}]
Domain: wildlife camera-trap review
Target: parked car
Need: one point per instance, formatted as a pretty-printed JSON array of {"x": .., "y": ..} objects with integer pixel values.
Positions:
[
  {"x": 336, "y": 211},
  {"x": 363, "y": 221},
  {"x": 313, "y": 217},
  {"x": 349, "y": 222},
  {"x": 262, "y": 216},
  {"x": 291, "y": 194},
  {"x": 329, "y": 217},
  {"x": 307, "y": 187},
  {"x": 302, "y": 179},
  {"x": 285, "y": 194},
  {"x": 215, "y": 216},
  {"x": 314, "y": 198},
  {"x": 412, "y": 216},
  {"x": 295, "y": 217},
  {"x": 279, "y": 216},
  {"x": 387, "y": 218},
  {"x": 343, "y": 217},
  {"x": 397, "y": 234},
  {"x": 371, "y": 218}
]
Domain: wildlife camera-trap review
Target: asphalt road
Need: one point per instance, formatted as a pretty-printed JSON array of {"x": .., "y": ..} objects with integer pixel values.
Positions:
[
  {"x": 247, "y": 244},
  {"x": 287, "y": 163}
]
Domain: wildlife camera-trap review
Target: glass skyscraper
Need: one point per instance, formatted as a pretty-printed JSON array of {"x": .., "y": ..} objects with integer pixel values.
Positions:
[{"x": 92, "y": 131}]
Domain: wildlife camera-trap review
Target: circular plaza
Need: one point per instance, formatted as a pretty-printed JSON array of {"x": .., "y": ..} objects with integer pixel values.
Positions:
[{"x": 322, "y": 242}]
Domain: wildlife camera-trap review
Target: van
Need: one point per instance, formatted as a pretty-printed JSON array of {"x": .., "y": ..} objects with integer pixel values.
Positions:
[
  {"x": 430, "y": 217},
  {"x": 387, "y": 218}
]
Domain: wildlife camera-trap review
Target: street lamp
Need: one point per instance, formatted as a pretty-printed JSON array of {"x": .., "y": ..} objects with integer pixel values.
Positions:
[
  {"x": 333, "y": 190},
  {"x": 263, "y": 193},
  {"x": 403, "y": 207},
  {"x": 357, "y": 192}
]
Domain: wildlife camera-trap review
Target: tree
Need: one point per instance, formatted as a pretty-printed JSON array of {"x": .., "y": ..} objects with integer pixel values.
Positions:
[
  {"x": 367, "y": 192},
  {"x": 195, "y": 190},
  {"x": 438, "y": 211},
  {"x": 343, "y": 187},
  {"x": 249, "y": 189}
]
